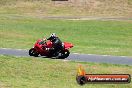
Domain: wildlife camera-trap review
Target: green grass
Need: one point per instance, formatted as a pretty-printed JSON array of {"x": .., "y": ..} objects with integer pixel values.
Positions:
[
  {"x": 130, "y": 2},
  {"x": 30, "y": 72},
  {"x": 91, "y": 36}
]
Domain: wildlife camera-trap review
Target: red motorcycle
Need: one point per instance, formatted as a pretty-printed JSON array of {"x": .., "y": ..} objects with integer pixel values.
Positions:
[{"x": 40, "y": 49}]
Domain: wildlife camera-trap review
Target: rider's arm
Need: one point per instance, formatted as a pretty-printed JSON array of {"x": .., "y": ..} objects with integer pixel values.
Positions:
[{"x": 49, "y": 38}]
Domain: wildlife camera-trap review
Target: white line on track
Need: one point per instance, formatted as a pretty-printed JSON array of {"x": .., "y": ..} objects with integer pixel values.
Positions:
[
  {"x": 72, "y": 53},
  {"x": 99, "y": 55},
  {"x": 12, "y": 49}
]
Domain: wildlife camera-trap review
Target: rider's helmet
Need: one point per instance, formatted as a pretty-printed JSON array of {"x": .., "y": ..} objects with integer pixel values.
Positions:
[{"x": 53, "y": 35}]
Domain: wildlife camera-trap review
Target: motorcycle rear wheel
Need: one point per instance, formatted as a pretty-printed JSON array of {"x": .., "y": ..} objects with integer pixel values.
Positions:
[{"x": 64, "y": 54}]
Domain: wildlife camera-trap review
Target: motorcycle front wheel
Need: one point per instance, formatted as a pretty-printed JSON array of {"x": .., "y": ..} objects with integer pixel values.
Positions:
[{"x": 32, "y": 52}]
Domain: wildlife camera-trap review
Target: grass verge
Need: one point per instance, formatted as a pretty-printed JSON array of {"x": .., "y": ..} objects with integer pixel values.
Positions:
[
  {"x": 30, "y": 72},
  {"x": 91, "y": 36}
]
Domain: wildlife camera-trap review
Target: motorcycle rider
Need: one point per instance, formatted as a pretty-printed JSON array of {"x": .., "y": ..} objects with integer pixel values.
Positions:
[{"x": 57, "y": 44}]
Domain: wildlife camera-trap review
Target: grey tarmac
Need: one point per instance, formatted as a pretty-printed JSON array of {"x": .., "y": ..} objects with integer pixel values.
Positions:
[{"x": 124, "y": 60}]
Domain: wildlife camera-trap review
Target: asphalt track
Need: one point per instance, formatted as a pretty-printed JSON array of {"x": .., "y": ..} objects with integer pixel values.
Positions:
[{"x": 77, "y": 57}]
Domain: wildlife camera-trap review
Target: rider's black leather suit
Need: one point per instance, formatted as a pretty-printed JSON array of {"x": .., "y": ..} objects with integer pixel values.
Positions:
[{"x": 57, "y": 44}]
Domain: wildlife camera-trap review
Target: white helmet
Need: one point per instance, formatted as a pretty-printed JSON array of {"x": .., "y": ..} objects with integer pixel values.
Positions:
[{"x": 53, "y": 35}]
